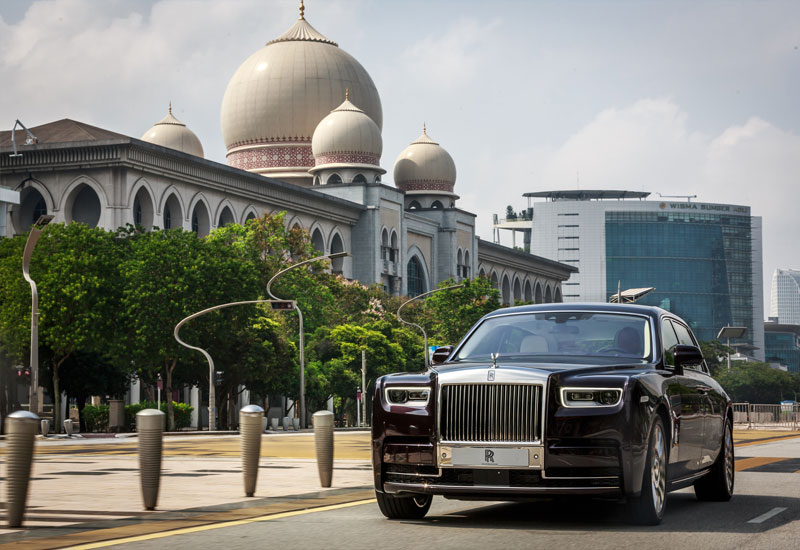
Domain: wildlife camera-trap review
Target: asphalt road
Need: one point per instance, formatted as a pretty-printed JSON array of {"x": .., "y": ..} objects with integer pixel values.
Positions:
[{"x": 764, "y": 513}]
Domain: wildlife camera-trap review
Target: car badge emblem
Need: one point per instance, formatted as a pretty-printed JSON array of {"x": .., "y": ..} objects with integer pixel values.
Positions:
[
  {"x": 490, "y": 376},
  {"x": 494, "y": 360}
]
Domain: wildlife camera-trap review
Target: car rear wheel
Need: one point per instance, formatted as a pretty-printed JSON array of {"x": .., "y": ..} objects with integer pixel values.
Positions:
[
  {"x": 717, "y": 485},
  {"x": 393, "y": 507},
  {"x": 648, "y": 508}
]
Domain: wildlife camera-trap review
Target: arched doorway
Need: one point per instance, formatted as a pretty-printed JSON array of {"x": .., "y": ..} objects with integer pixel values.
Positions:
[
  {"x": 83, "y": 206},
  {"x": 517, "y": 291},
  {"x": 506, "y": 292},
  {"x": 537, "y": 295},
  {"x": 548, "y": 295},
  {"x": 317, "y": 241},
  {"x": 143, "y": 209},
  {"x": 558, "y": 298},
  {"x": 528, "y": 292}
]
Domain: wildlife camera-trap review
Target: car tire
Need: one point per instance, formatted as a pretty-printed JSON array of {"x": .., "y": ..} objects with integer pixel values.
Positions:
[
  {"x": 414, "y": 507},
  {"x": 648, "y": 508},
  {"x": 717, "y": 485}
]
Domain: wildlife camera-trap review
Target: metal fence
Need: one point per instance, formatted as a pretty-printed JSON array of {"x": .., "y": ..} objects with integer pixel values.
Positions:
[{"x": 752, "y": 415}]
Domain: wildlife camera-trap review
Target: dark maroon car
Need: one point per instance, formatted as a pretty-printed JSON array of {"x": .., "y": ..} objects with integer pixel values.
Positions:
[{"x": 559, "y": 399}]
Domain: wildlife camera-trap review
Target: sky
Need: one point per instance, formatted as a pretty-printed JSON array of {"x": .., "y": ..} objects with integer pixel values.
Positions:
[{"x": 672, "y": 97}]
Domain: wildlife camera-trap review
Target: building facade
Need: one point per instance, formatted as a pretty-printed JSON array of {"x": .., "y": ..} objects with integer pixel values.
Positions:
[
  {"x": 782, "y": 343},
  {"x": 785, "y": 296},
  {"x": 703, "y": 259}
]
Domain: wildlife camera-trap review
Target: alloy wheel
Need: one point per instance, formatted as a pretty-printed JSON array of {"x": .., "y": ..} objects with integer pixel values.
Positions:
[{"x": 658, "y": 477}]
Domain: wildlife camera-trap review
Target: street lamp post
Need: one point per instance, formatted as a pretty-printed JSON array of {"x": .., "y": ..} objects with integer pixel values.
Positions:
[
  {"x": 302, "y": 335},
  {"x": 424, "y": 334},
  {"x": 212, "y": 397},
  {"x": 731, "y": 332},
  {"x": 33, "y": 238}
]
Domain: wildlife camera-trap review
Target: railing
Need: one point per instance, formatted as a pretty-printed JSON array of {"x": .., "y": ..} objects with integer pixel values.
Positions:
[{"x": 752, "y": 415}]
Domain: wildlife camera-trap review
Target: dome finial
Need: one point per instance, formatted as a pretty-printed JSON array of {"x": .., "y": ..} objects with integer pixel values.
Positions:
[
  {"x": 424, "y": 129},
  {"x": 170, "y": 107},
  {"x": 347, "y": 94},
  {"x": 302, "y": 10}
]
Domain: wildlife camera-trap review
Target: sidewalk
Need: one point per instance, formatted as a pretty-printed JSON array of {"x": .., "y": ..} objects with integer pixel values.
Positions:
[{"x": 88, "y": 484}]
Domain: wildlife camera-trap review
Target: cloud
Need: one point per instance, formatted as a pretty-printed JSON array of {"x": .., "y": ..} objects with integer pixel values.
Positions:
[{"x": 650, "y": 146}]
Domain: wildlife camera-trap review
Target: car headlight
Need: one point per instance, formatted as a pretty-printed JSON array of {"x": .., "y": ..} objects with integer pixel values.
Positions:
[
  {"x": 590, "y": 397},
  {"x": 410, "y": 397}
]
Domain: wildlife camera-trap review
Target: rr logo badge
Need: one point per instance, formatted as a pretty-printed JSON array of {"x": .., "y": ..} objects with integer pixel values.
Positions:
[
  {"x": 490, "y": 376},
  {"x": 489, "y": 456}
]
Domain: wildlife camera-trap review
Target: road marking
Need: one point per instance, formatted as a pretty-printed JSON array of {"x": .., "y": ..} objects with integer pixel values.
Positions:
[
  {"x": 764, "y": 517},
  {"x": 754, "y": 462},
  {"x": 221, "y": 525}
]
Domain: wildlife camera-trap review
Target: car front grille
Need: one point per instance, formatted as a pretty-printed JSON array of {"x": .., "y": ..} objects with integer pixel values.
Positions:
[{"x": 491, "y": 413}]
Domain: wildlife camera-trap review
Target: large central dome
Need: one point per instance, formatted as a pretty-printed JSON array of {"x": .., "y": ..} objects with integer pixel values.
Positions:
[{"x": 279, "y": 94}]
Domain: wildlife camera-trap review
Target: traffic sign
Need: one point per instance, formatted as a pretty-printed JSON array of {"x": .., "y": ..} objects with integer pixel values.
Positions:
[{"x": 284, "y": 305}]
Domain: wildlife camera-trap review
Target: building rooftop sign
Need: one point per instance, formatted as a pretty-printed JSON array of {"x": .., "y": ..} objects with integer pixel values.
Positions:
[{"x": 585, "y": 195}]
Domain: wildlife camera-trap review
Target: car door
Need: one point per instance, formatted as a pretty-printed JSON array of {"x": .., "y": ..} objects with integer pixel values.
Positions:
[
  {"x": 688, "y": 409},
  {"x": 713, "y": 405}
]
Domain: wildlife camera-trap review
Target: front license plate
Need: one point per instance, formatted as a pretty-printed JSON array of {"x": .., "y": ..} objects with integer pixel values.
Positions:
[{"x": 490, "y": 456}]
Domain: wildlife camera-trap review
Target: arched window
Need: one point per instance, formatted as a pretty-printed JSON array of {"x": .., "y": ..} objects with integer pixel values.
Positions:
[
  {"x": 317, "y": 241},
  {"x": 415, "y": 277},
  {"x": 384, "y": 244},
  {"x": 334, "y": 178},
  {"x": 249, "y": 217},
  {"x": 437, "y": 205},
  {"x": 172, "y": 213},
  {"x": 143, "y": 209},
  {"x": 414, "y": 205},
  {"x": 359, "y": 179},
  {"x": 83, "y": 206},
  {"x": 467, "y": 271},
  {"x": 558, "y": 299},
  {"x": 506, "y": 292},
  {"x": 459, "y": 261},
  {"x": 316, "y": 180},
  {"x": 225, "y": 218},
  {"x": 200, "y": 219},
  {"x": 548, "y": 295},
  {"x": 517, "y": 291},
  {"x": 495, "y": 282},
  {"x": 337, "y": 264},
  {"x": 528, "y": 292},
  {"x": 394, "y": 252},
  {"x": 32, "y": 206},
  {"x": 537, "y": 295}
]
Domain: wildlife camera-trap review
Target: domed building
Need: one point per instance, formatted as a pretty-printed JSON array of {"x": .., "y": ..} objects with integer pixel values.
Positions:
[
  {"x": 427, "y": 173},
  {"x": 171, "y": 132},
  {"x": 278, "y": 96},
  {"x": 301, "y": 121},
  {"x": 347, "y": 147}
]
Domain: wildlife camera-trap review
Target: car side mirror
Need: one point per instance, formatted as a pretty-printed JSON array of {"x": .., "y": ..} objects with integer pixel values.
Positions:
[
  {"x": 441, "y": 354},
  {"x": 686, "y": 356}
]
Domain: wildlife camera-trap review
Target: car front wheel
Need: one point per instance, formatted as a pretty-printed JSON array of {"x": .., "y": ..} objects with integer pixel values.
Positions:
[
  {"x": 717, "y": 485},
  {"x": 648, "y": 508},
  {"x": 393, "y": 507}
]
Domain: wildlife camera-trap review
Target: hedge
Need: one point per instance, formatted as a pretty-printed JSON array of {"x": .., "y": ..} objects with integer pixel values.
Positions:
[{"x": 96, "y": 416}]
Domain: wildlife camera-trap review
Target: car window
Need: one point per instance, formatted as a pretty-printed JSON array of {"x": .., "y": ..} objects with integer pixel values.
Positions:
[
  {"x": 669, "y": 341},
  {"x": 684, "y": 337},
  {"x": 561, "y": 333}
]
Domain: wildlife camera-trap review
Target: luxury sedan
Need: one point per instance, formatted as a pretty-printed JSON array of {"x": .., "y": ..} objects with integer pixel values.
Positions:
[{"x": 609, "y": 400}]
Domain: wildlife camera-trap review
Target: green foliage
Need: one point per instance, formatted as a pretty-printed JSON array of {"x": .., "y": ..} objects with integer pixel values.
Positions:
[
  {"x": 95, "y": 418},
  {"x": 758, "y": 383},
  {"x": 715, "y": 353},
  {"x": 454, "y": 312}
]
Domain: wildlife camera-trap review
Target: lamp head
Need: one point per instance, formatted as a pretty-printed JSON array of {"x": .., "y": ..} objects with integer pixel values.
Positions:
[{"x": 43, "y": 220}]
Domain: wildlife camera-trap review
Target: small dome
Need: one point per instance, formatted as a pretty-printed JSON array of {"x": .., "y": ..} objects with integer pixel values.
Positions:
[
  {"x": 425, "y": 166},
  {"x": 347, "y": 136},
  {"x": 171, "y": 132}
]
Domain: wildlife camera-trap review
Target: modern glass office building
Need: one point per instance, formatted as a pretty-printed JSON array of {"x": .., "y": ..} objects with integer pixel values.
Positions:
[
  {"x": 785, "y": 296},
  {"x": 782, "y": 343},
  {"x": 703, "y": 259}
]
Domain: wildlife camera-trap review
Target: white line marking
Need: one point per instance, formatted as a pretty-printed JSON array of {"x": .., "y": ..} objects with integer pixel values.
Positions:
[{"x": 764, "y": 517}]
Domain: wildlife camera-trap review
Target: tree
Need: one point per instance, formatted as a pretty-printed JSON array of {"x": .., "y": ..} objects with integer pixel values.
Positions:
[
  {"x": 74, "y": 267},
  {"x": 714, "y": 352},
  {"x": 169, "y": 275},
  {"x": 758, "y": 383},
  {"x": 454, "y": 312}
]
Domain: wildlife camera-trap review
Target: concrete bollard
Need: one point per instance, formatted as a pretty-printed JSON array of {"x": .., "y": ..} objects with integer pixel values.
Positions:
[
  {"x": 323, "y": 441},
  {"x": 274, "y": 423},
  {"x": 45, "y": 426},
  {"x": 285, "y": 423},
  {"x": 150, "y": 427},
  {"x": 68, "y": 427},
  {"x": 20, "y": 433},
  {"x": 250, "y": 422}
]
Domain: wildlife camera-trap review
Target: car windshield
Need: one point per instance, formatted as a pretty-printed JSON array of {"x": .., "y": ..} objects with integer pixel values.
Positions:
[{"x": 560, "y": 334}]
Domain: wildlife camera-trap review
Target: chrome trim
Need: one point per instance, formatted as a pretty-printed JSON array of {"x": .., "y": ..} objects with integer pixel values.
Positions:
[
  {"x": 394, "y": 487},
  {"x": 689, "y": 477},
  {"x": 545, "y": 476},
  {"x": 589, "y": 389},
  {"x": 387, "y": 389},
  {"x": 413, "y": 474}
]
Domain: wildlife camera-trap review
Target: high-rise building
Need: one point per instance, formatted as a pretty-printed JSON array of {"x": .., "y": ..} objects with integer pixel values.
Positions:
[
  {"x": 782, "y": 343},
  {"x": 703, "y": 259},
  {"x": 785, "y": 296}
]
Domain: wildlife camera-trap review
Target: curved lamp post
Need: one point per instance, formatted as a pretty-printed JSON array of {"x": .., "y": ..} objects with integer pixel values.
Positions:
[
  {"x": 33, "y": 238},
  {"x": 212, "y": 398},
  {"x": 302, "y": 336},
  {"x": 424, "y": 334}
]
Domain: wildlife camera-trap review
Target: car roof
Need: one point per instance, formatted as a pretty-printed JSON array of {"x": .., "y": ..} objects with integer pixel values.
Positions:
[{"x": 650, "y": 311}]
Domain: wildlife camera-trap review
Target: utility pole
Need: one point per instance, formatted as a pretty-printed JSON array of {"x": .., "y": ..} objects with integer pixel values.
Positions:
[{"x": 364, "y": 385}]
